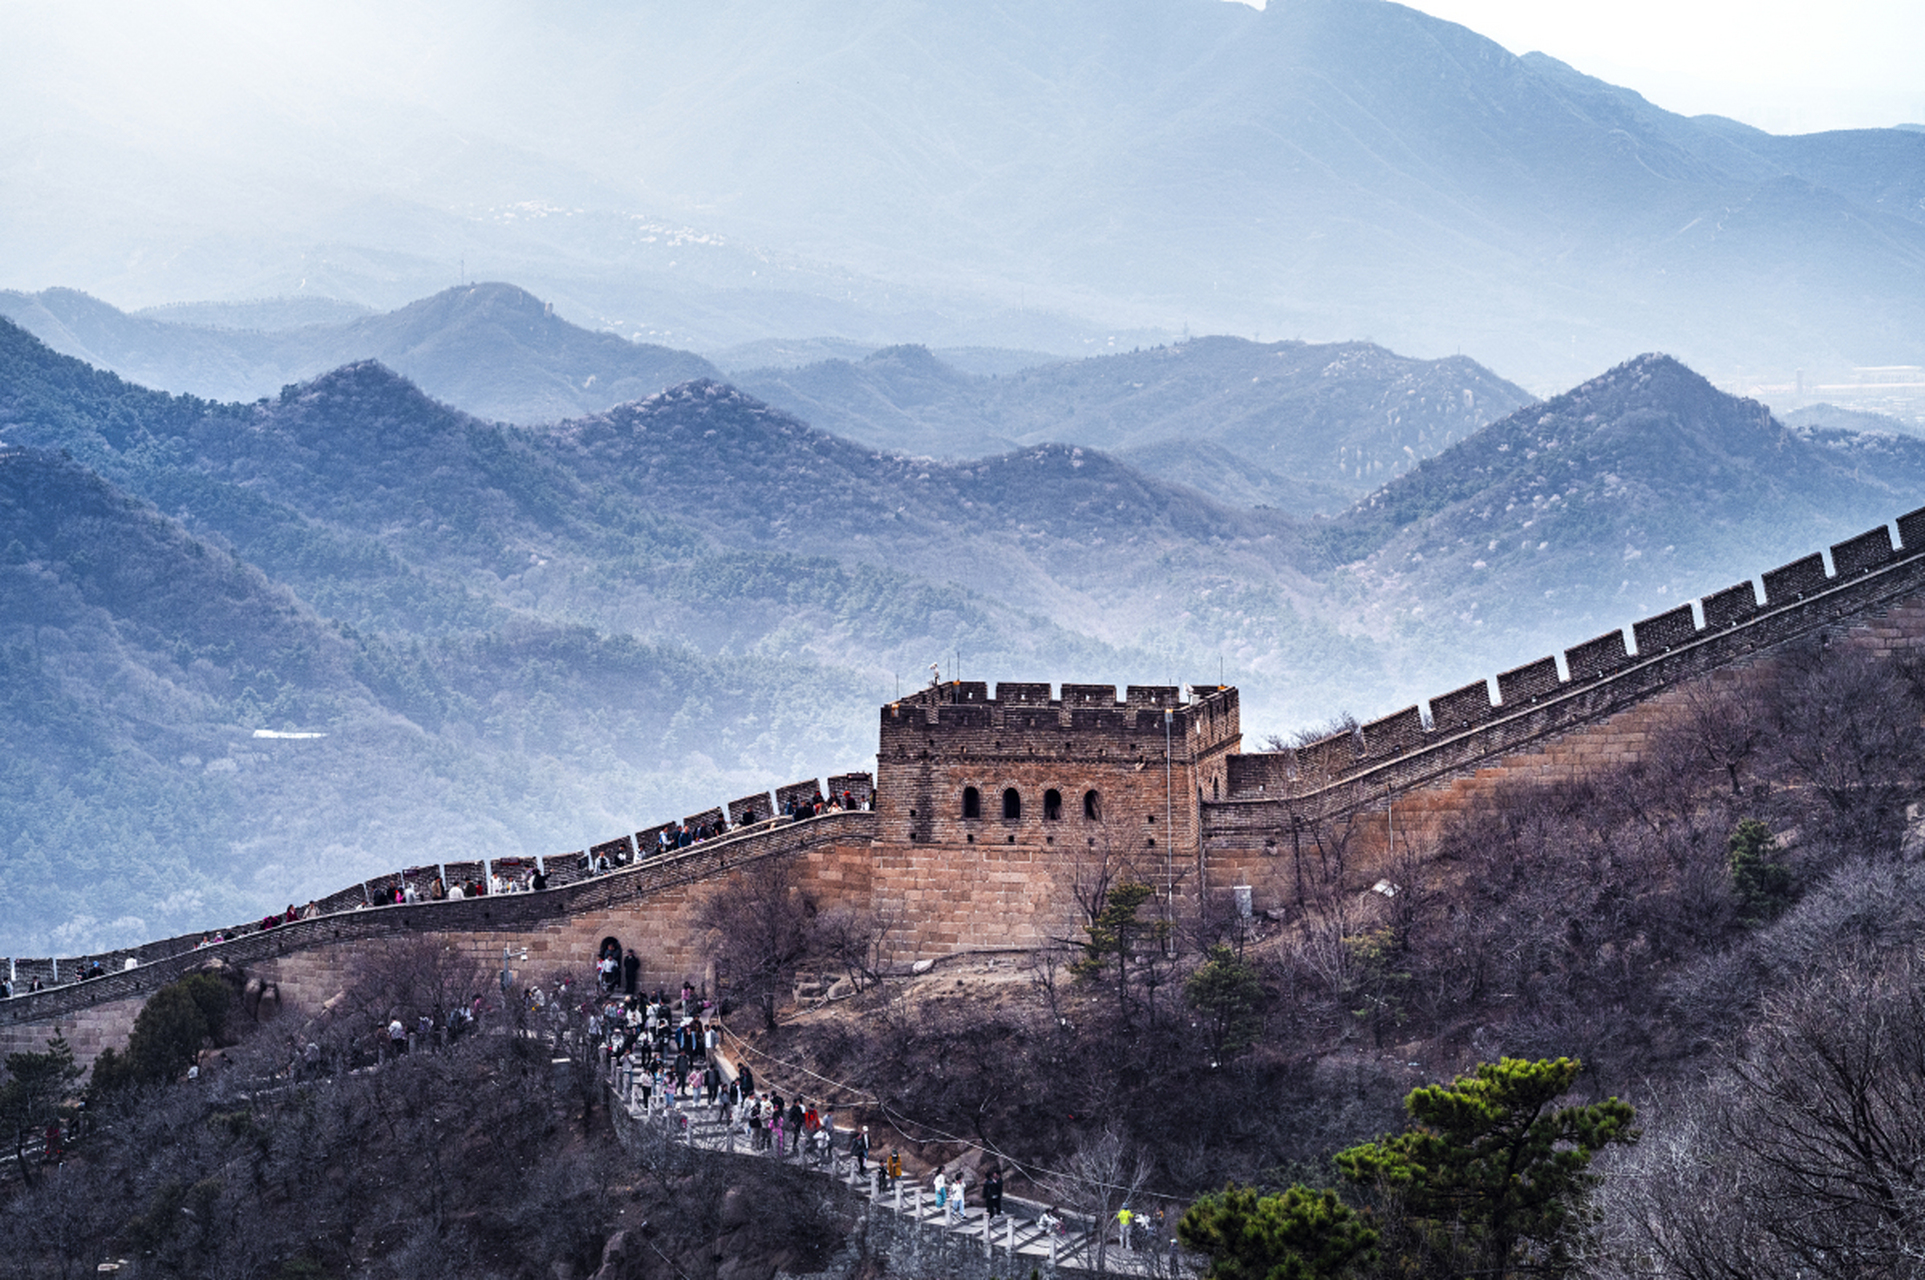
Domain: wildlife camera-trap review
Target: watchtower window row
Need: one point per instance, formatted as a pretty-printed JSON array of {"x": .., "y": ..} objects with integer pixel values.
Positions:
[{"x": 972, "y": 805}]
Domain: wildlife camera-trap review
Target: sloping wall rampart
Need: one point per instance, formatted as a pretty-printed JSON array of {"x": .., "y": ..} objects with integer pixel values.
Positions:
[
  {"x": 504, "y": 914},
  {"x": 1601, "y": 677}
]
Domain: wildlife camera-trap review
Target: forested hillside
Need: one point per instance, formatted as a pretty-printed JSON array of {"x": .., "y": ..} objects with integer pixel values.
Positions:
[{"x": 524, "y": 639}]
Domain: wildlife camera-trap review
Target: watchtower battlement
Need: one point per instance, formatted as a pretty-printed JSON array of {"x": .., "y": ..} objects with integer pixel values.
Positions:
[
  {"x": 956, "y": 766},
  {"x": 1024, "y": 717}
]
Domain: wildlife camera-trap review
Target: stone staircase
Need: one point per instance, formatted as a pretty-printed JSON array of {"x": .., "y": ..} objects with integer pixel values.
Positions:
[{"x": 1013, "y": 1237}]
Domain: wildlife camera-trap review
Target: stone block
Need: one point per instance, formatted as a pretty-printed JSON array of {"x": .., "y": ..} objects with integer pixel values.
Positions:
[
  {"x": 1727, "y": 608},
  {"x": 1796, "y": 580},
  {"x": 1326, "y": 758},
  {"x": 1861, "y": 554},
  {"x": 1521, "y": 686},
  {"x": 750, "y": 809},
  {"x": 1139, "y": 696},
  {"x": 1666, "y": 630},
  {"x": 1595, "y": 659},
  {"x": 1911, "y": 531},
  {"x": 800, "y": 792},
  {"x": 618, "y": 850},
  {"x": 1393, "y": 734},
  {"x": 1462, "y": 708}
]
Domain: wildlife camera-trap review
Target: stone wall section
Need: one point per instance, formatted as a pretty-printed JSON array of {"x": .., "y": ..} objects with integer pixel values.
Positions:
[
  {"x": 1087, "y": 771},
  {"x": 1187, "y": 812},
  {"x": 1256, "y": 843}
]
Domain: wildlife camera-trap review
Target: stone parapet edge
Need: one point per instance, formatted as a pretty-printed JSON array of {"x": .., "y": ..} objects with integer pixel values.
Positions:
[
  {"x": 1574, "y": 707},
  {"x": 503, "y": 913}
]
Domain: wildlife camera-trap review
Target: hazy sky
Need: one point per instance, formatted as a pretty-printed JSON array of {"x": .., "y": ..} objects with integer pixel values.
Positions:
[{"x": 1790, "y": 66}]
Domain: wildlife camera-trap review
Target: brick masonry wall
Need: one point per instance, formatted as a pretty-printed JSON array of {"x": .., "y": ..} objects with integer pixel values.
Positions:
[
  {"x": 935, "y": 745},
  {"x": 1254, "y": 842},
  {"x": 647, "y": 905}
]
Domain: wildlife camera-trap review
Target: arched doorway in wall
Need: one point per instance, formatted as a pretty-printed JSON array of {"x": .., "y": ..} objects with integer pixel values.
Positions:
[
  {"x": 608, "y": 964},
  {"x": 1092, "y": 806},
  {"x": 972, "y": 804},
  {"x": 1052, "y": 805},
  {"x": 1012, "y": 804}
]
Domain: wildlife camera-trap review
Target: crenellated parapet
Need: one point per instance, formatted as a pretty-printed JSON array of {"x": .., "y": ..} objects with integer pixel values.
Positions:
[
  {"x": 1459, "y": 729},
  {"x": 1083, "y": 769}
]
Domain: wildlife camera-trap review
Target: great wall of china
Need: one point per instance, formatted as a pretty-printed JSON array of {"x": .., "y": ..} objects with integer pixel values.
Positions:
[{"x": 988, "y": 809}]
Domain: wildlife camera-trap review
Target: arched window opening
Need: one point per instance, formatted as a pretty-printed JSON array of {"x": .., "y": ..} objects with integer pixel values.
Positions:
[
  {"x": 1052, "y": 806},
  {"x": 1092, "y": 806},
  {"x": 1012, "y": 804},
  {"x": 1213, "y": 788},
  {"x": 972, "y": 803}
]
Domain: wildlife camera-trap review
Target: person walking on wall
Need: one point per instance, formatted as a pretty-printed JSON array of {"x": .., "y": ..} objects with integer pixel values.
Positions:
[
  {"x": 958, "y": 1190},
  {"x": 993, "y": 1191}
]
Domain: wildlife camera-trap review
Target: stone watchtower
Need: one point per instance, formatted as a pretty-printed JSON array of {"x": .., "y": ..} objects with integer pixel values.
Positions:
[{"x": 1080, "y": 775}]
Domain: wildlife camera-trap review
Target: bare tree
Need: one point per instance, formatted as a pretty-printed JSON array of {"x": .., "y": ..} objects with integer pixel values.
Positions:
[
  {"x": 761, "y": 926},
  {"x": 1846, "y": 733},
  {"x": 856, "y": 941},
  {"x": 1103, "y": 1175},
  {"x": 1804, "y": 1156}
]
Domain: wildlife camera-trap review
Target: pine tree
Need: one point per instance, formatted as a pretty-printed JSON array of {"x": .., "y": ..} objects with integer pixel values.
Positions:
[{"x": 1491, "y": 1179}]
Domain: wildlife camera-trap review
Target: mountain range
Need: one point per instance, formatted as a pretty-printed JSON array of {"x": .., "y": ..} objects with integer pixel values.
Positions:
[
  {"x": 1061, "y": 176},
  {"x": 1295, "y": 426},
  {"x": 1298, "y": 426},
  {"x": 519, "y": 638},
  {"x": 497, "y": 351}
]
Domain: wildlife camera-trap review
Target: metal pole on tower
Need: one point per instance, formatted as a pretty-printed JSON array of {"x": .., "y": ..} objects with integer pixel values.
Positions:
[{"x": 1169, "y": 830}]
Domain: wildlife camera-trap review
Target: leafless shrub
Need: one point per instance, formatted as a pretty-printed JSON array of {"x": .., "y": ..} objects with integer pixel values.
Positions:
[
  {"x": 761, "y": 926},
  {"x": 856, "y": 942},
  {"x": 1803, "y": 1155},
  {"x": 1102, "y": 1175}
]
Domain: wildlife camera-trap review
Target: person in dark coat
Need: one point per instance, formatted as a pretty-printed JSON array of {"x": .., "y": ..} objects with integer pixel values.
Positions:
[
  {"x": 993, "y": 1191},
  {"x": 631, "y": 969}
]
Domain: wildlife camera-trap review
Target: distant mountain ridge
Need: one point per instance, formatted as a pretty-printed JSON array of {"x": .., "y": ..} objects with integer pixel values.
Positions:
[
  {"x": 1621, "y": 496},
  {"x": 1299, "y": 426},
  {"x": 496, "y": 350},
  {"x": 1294, "y": 426}
]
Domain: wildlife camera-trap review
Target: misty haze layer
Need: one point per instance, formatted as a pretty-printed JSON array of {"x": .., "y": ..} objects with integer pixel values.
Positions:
[{"x": 716, "y": 174}]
